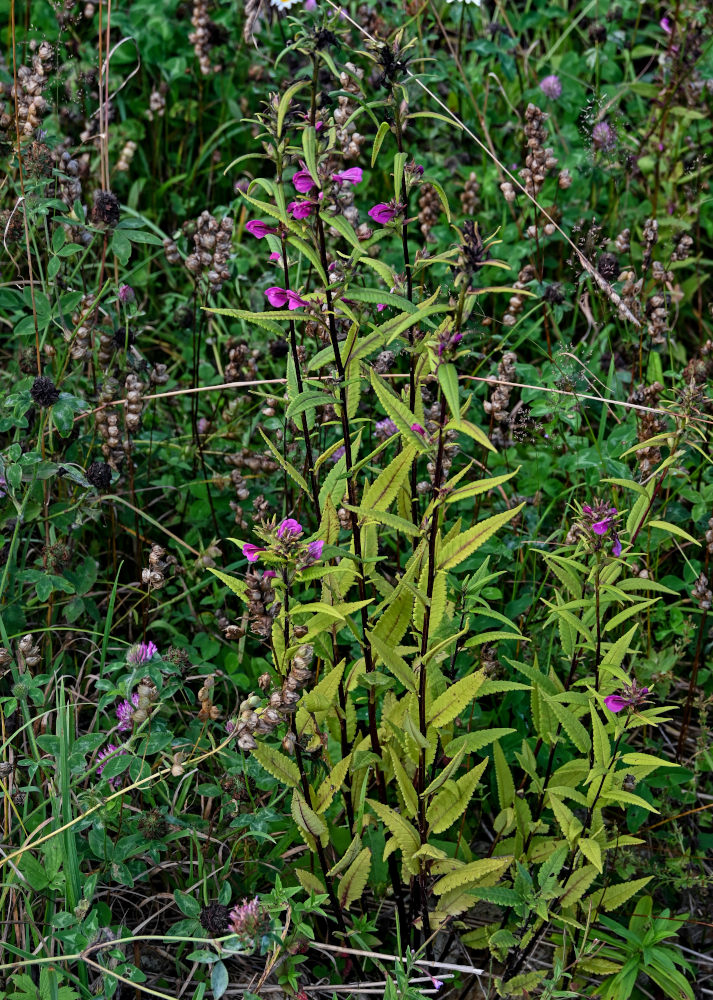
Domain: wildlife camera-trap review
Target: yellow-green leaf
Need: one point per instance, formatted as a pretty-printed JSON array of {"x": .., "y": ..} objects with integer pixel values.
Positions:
[
  {"x": 471, "y": 874},
  {"x": 280, "y": 767},
  {"x": 351, "y": 886},
  {"x": 453, "y": 553},
  {"x": 452, "y": 702}
]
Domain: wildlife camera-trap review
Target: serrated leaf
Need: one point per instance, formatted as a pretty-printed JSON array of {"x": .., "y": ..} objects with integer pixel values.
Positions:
[
  {"x": 448, "y": 381},
  {"x": 351, "y": 886},
  {"x": 452, "y": 702},
  {"x": 577, "y": 885},
  {"x": 402, "y": 831},
  {"x": 592, "y": 851},
  {"x": 393, "y": 662},
  {"x": 332, "y": 783},
  {"x": 310, "y": 882},
  {"x": 382, "y": 492},
  {"x": 479, "y": 486},
  {"x": 305, "y": 817},
  {"x": 503, "y": 778},
  {"x": 406, "y": 785},
  {"x": 349, "y": 855},
  {"x": 615, "y": 896},
  {"x": 381, "y": 134},
  {"x": 280, "y": 767},
  {"x": 448, "y": 806},
  {"x": 398, "y": 412},
  {"x": 238, "y": 587},
  {"x": 600, "y": 740},
  {"x": 471, "y": 874},
  {"x": 571, "y": 725},
  {"x": 284, "y": 464},
  {"x": 454, "y": 552}
]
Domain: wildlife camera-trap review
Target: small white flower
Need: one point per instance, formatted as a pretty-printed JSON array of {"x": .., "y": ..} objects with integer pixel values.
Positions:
[{"x": 286, "y": 4}]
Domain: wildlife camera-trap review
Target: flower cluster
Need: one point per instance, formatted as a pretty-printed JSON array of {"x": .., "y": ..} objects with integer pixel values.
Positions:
[
  {"x": 102, "y": 758},
  {"x": 287, "y": 543},
  {"x": 125, "y": 711},
  {"x": 630, "y": 697},
  {"x": 599, "y": 521},
  {"x": 142, "y": 652},
  {"x": 245, "y": 919}
]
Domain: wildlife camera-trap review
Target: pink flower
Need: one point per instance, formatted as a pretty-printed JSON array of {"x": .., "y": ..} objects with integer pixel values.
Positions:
[
  {"x": 382, "y": 213},
  {"x": 303, "y": 180},
  {"x": 126, "y": 294},
  {"x": 289, "y": 527},
  {"x": 551, "y": 87},
  {"x": 665, "y": 24},
  {"x": 269, "y": 574},
  {"x": 300, "y": 209},
  {"x": 274, "y": 256},
  {"x": 418, "y": 429},
  {"x": 246, "y": 919},
  {"x": 279, "y": 297},
  {"x": 351, "y": 176},
  {"x": 141, "y": 653},
  {"x": 629, "y": 698},
  {"x": 314, "y": 549},
  {"x": 380, "y": 306},
  {"x": 102, "y": 758},
  {"x": 124, "y": 712},
  {"x": 311, "y": 5},
  {"x": 251, "y": 552},
  {"x": 259, "y": 229}
]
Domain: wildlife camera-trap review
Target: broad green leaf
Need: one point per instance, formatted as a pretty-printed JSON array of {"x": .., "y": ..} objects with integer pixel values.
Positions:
[
  {"x": 238, "y": 587},
  {"x": 577, "y": 885},
  {"x": 672, "y": 529},
  {"x": 448, "y": 381},
  {"x": 592, "y": 851}
]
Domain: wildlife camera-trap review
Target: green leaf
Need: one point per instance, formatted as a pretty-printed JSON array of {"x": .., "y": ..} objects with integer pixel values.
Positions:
[
  {"x": 615, "y": 896},
  {"x": 352, "y": 884},
  {"x": 672, "y": 529},
  {"x": 284, "y": 464},
  {"x": 280, "y": 767},
  {"x": 571, "y": 725},
  {"x": 452, "y": 702},
  {"x": 382, "y": 492},
  {"x": 238, "y": 587},
  {"x": 577, "y": 885},
  {"x": 219, "y": 979},
  {"x": 381, "y": 134},
  {"x": 394, "y": 663},
  {"x": 592, "y": 851},
  {"x": 448, "y": 381},
  {"x": 399, "y": 164},
  {"x": 453, "y": 553},
  {"x": 399, "y": 413},
  {"x": 453, "y": 799},
  {"x": 305, "y": 817},
  {"x": 406, "y": 785},
  {"x": 503, "y": 777},
  {"x": 479, "y": 486},
  {"x": 284, "y": 105},
  {"x": 471, "y": 874}
]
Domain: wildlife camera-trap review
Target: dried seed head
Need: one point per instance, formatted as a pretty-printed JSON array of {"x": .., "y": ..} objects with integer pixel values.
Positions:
[{"x": 44, "y": 392}]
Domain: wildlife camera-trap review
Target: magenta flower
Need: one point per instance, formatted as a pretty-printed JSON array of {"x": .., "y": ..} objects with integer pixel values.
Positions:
[
  {"x": 141, "y": 653},
  {"x": 245, "y": 919},
  {"x": 418, "y": 429},
  {"x": 251, "y": 552},
  {"x": 279, "y": 297},
  {"x": 351, "y": 176},
  {"x": 102, "y": 758},
  {"x": 303, "y": 180},
  {"x": 311, "y": 5},
  {"x": 126, "y": 294},
  {"x": 269, "y": 574},
  {"x": 314, "y": 549},
  {"x": 300, "y": 209},
  {"x": 630, "y": 698},
  {"x": 289, "y": 527},
  {"x": 380, "y": 306},
  {"x": 665, "y": 24},
  {"x": 382, "y": 213},
  {"x": 124, "y": 713},
  {"x": 603, "y": 136},
  {"x": 259, "y": 229},
  {"x": 551, "y": 87}
]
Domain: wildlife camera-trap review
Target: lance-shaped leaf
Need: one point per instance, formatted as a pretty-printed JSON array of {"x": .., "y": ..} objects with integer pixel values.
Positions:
[
  {"x": 406, "y": 785},
  {"x": 577, "y": 885},
  {"x": 615, "y": 896},
  {"x": 306, "y": 818},
  {"x": 281, "y": 768},
  {"x": 392, "y": 624},
  {"x": 452, "y": 800},
  {"x": 238, "y": 587},
  {"x": 479, "y": 486},
  {"x": 351, "y": 886},
  {"x": 382, "y": 492},
  {"x": 452, "y": 702},
  {"x": 402, "y": 831},
  {"x": 455, "y": 551},
  {"x": 472, "y": 874},
  {"x": 310, "y": 882},
  {"x": 398, "y": 411},
  {"x": 331, "y": 784},
  {"x": 347, "y": 858},
  {"x": 503, "y": 778},
  {"x": 394, "y": 663},
  {"x": 571, "y": 724}
]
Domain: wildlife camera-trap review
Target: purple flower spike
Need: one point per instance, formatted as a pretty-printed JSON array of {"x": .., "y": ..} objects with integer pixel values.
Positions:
[
  {"x": 382, "y": 213},
  {"x": 259, "y": 229},
  {"x": 289, "y": 527},
  {"x": 251, "y": 552},
  {"x": 351, "y": 176},
  {"x": 630, "y": 698}
]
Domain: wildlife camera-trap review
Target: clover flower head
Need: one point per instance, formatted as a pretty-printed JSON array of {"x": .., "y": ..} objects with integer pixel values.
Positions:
[
  {"x": 551, "y": 86},
  {"x": 140, "y": 653},
  {"x": 603, "y": 136},
  {"x": 125, "y": 711},
  {"x": 102, "y": 756},
  {"x": 245, "y": 919},
  {"x": 126, "y": 294}
]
